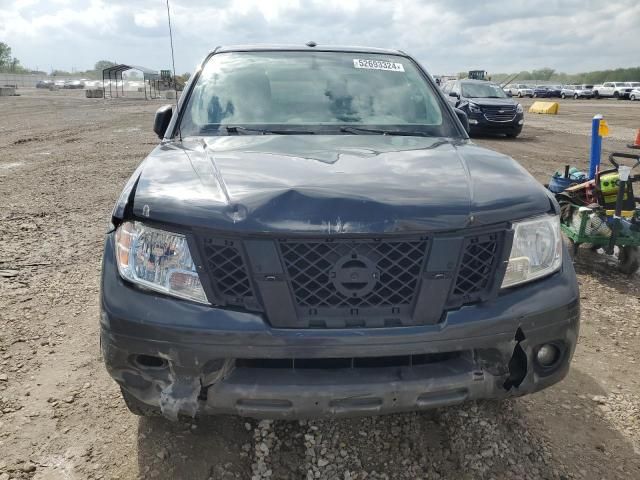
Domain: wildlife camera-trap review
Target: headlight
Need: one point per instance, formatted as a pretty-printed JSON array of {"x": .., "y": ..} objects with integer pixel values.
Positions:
[
  {"x": 536, "y": 250},
  {"x": 519, "y": 109},
  {"x": 157, "y": 260},
  {"x": 474, "y": 108}
]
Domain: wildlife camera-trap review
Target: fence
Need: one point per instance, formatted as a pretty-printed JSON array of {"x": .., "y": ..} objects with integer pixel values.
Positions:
[{"x": 26, "y": 80}]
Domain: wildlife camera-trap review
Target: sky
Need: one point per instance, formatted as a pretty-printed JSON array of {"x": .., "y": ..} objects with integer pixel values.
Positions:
[{"x": 446, "y": 36}]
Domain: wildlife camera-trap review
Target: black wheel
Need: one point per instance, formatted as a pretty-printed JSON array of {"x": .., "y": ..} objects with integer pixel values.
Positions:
[
  {"x": 563, "y": 96},
  {"x": 137, "y": 407},
  {"x": 535, "y": 95},
  {"x": 596, "y": 94},
  {"x": 519, "y": 94},
  {"x": 628, "y": 259},
  {"x": 616, "y": 95},
  {"x": 632, "y": 98},
  {"x": 575, "y": 96}
]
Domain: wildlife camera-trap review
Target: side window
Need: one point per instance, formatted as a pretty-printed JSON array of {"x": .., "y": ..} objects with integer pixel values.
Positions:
[{"x": 608, "y": 84}]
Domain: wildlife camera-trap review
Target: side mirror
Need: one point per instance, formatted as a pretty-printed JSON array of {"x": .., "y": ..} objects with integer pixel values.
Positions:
[
  {"x": 162, "y": 119},
  {"x": 463, "y": 118},
  {"x": 453, "y": 94}
]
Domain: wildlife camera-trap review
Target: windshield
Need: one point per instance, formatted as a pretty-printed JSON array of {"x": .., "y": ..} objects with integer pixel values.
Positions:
[
  {"x": 482, "y": 90},
  {"x": 313, "y": 92}
]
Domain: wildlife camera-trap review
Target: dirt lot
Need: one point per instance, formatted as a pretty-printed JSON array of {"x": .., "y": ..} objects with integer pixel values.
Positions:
[{"x": 63, "y": 161}]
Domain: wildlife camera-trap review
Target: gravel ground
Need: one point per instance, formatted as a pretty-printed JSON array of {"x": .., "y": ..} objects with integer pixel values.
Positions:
[{"x": 63, "y": 161}]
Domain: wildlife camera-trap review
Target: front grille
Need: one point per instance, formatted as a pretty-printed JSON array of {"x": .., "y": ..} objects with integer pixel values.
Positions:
[
  {"x": 353, "y": 273},
  {"x": 499, "y": 114},
  {"x": 477, "y": 268},
  {"x": 228, "y": 271},
  {"x": 301, "y": 282}
]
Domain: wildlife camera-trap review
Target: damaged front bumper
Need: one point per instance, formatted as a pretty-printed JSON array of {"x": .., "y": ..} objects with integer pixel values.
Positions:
[{"x": 191, "y": 359}]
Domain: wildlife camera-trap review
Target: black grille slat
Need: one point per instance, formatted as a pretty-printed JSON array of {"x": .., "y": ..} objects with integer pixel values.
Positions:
[
  {"x": 477, "y": 267},
  {"x": 349, "y": 362},
  {"x": 312, "y": 264},
  {"x": 228, "y": 271}
]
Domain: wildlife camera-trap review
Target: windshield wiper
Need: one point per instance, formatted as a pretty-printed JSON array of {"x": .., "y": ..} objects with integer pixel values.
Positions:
[
  {"x": 237, "y": 129},
  {"x": 377, "y": 131}
]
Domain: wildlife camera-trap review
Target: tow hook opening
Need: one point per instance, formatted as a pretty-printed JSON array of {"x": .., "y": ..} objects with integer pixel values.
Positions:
[
  {"x": 517, "y": 364},
  {"x": 149, "y": 362}
]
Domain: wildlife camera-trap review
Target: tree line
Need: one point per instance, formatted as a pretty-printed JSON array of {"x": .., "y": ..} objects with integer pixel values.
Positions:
[{"x": 9, "y": 63}]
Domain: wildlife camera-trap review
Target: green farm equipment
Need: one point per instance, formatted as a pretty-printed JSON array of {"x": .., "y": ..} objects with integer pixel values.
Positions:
[{"x": 605, "y": 213}]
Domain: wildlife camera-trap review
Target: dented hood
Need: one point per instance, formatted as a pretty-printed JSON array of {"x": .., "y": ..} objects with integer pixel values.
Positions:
[{"x": 333, "y": 184}]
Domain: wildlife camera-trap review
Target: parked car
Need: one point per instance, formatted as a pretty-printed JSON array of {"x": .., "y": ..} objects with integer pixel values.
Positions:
[
  {"x": 617, "y": 90},
  {"x": 342, "y": 251},
  {"x": 577, "y": 91},
  {"x": 545, "y": 91},
  {"x": 521, "y": 90},
  {"x": 554, "y": 90},
  {"x": 44, "y": 84},
  {"x": 488, "y": 108},
  {"x": 540, "y": 91},
  {"x": 73, "y": 84},
  {"x": 59, "y": 83},
  {"x": 635, "y": 86}
]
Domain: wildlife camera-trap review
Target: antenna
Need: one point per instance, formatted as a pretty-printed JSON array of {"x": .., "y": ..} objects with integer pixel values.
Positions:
[{"x": 173, "y": 63}]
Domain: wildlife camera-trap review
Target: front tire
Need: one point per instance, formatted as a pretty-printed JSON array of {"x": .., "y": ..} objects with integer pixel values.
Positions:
[
  {"x": 632, "y": 98},
  {"x": 563, "y": 96},
  {"x": 575, "y": 96},
  {"x": 596, "y": 94},
  {"x": 616, "y": 95},
  {"x": 513, "y": 134}
]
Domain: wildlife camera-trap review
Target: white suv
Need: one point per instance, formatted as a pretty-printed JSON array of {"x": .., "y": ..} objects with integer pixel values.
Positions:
[
  {"x": 612, "y": 89},
  {"x": 577, "y": 91},
  {"x": 520, "y": 90}
]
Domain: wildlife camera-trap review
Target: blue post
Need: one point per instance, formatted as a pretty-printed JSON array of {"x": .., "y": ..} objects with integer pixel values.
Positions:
[{"x": 596, "y": 146}]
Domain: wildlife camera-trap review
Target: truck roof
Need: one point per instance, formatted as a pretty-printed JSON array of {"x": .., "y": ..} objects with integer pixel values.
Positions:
[{"x": 296, "y": 47}]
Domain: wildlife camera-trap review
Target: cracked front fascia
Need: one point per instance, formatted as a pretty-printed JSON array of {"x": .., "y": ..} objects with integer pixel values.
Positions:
[{"x": 180, "y": 395}]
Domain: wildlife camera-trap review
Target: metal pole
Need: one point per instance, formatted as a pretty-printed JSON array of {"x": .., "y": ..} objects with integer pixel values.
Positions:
[{"x": 596, "y": 146}]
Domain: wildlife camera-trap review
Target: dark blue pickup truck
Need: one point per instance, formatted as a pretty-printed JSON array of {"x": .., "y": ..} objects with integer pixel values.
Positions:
[{"x": 316, "y": 236}]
